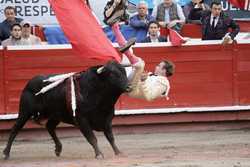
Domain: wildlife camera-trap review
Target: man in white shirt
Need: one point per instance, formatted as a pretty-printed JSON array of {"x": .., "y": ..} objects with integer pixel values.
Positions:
[
  {"x": 27, "y": 37},
  {"x": 170, "y": 14},
  {"x": 15, "y": 37}
]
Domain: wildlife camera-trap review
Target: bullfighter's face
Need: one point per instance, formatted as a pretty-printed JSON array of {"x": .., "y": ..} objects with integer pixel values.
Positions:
[{"x": 160, "y": 70}]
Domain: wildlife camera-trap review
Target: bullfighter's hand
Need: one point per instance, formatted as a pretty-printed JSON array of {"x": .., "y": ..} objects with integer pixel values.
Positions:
[{"x": 144, "y": 76}]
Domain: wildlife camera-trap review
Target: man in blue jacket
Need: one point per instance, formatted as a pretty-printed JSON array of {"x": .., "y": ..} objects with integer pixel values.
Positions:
[
  {"x": 5, "y": 26},
  {"x": 141, "y": 20}
]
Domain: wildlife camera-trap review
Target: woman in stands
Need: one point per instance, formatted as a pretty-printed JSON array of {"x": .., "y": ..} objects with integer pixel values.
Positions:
[{"x": 147, "y": 86}]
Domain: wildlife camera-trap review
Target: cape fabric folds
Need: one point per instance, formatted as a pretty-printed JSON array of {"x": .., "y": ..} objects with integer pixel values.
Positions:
[
  {"x": 175, "y": 38},
  {"x": 83, "y": 31}
]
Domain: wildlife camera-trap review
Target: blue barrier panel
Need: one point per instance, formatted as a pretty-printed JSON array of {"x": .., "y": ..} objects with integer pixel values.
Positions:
[{"x": 54, "y": 35}]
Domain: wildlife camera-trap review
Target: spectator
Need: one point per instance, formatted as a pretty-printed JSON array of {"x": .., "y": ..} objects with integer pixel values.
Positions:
[
  {"x": 193, "y": 10},
  {"x": 215, "y": 24},
  {"x": 16, "y": 36},
  {"x": 154, "y": 33},
  {"x": 27, "y": 37},
  {"x": 140, "y": 21},
  {"x": 5, "y": 26},
  {"x": 170, "y": 14}
]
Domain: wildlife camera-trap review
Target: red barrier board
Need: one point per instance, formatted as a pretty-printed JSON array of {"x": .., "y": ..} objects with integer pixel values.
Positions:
[
  {"x": 243, "y": 73},
  {"x": 1, "y": 81},
  {"x": 206, "y": 75},
  {"x": 200, "y": 78},
  {"x": 22, "y": 65}
]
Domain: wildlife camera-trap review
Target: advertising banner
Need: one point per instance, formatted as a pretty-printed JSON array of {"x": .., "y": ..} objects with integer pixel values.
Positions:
[
  {"x": 35, "y": 11},
  {"x": 234, "y": 12},
  {"x": 40, "y": 12}
]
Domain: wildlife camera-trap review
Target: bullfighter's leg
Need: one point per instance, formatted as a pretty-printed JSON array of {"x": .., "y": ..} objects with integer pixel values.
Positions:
[
  {"x": 20, "y": 122},
  {"x": 51, "y": 126},
  {"x": 121, "y": 41},
  {"x": 109, "y": 135},
  {"x": 90, "y": 136}
]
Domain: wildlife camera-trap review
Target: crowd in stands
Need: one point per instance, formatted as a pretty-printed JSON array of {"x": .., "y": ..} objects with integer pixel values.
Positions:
[
  {"x": 16, "y": 31},
  {"x": 215, "y": 24}
]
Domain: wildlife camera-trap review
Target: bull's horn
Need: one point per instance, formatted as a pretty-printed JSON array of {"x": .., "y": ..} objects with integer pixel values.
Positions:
[
  {"x": 126, "y": 65},
  {"x": 100, "y": 70}
]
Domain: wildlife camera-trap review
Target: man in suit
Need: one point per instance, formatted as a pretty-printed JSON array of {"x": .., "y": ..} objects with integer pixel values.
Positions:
[
  {"x": 154, "y": 33},
  {"x": 215, "y": 24}
]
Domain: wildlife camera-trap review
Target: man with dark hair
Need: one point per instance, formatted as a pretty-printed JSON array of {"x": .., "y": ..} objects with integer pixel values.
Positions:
[
  {"x": 154, "y": 33},
  {"x": 16, "y": 36},
  {"x": 5, "y": 26},
  {"x": 215, "y": 24}
]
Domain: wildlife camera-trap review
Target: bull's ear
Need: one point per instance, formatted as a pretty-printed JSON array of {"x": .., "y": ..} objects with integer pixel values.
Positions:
[{"x": 100, "y": 70}]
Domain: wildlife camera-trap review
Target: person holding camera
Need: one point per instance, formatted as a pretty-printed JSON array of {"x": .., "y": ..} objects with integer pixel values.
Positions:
[{"x": 193, "y": 11}]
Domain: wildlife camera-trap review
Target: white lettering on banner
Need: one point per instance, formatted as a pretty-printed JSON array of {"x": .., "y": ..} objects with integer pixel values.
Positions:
[
  {"x": 19, "y": 1},
  {"x": 35, "y": 11},
  {"x": 24, "y": 11},
  {"x": 227, "y": 6}
]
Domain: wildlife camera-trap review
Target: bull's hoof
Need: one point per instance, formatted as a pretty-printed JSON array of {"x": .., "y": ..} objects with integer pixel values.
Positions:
[
  {"x": 121, "y": 154},
  {"x": 6, "y": 154},
  {"x": 58, "y": 153},
  {"x": 99, "y": 156},
  {"x": 58, "y": 150},
  {"x": 118, "y": 152}
]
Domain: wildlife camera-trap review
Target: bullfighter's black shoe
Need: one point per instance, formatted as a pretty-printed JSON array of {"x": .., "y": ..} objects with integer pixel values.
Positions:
[{"x": 129, "y": 43}]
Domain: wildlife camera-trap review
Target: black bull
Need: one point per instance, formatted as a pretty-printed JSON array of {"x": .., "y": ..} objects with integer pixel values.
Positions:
[{"x": 99, "y": 89}]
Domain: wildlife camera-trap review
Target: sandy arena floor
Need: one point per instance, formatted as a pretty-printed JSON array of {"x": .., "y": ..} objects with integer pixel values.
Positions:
[{"x": 182, "y": 149}]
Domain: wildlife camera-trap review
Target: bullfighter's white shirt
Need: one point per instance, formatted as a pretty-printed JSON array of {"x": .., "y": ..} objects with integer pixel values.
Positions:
[{"x": 153, "y": 87}]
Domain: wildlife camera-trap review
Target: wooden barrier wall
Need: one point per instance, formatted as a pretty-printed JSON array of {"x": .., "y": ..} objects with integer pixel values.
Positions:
[
  {"x": 206, "y": 75},
  {"x": 1, "y": 81},
  {"x": 200, "y": 79},
  {"x": 242, "y": 74}
]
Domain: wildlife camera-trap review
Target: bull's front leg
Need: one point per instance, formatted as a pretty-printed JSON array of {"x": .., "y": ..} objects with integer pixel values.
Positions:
[
  {"x": 51, "y": 126},
  {"x": 109, "y": 135},
  {"x": 90, "y": 136}
]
